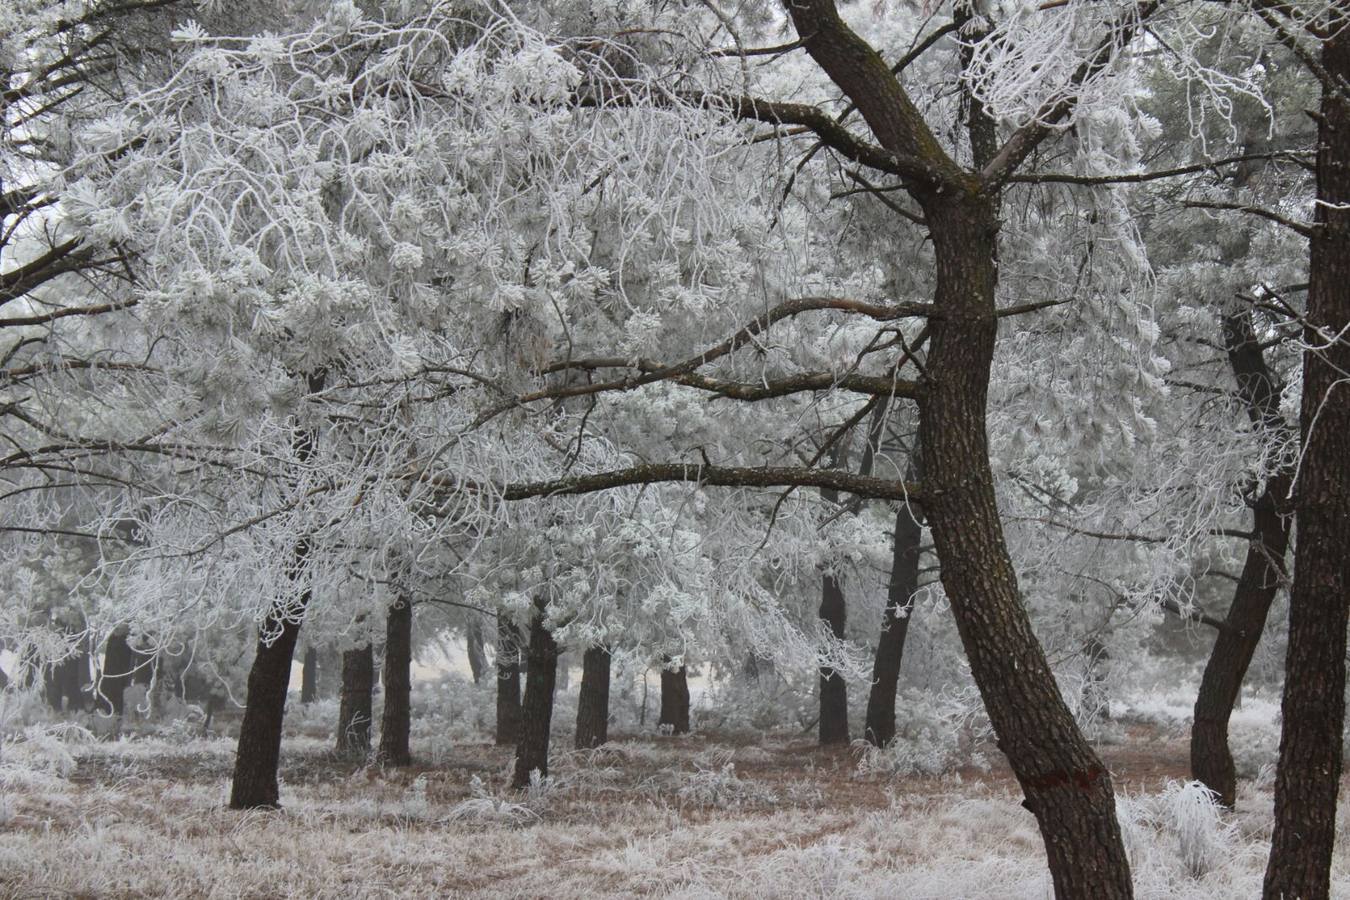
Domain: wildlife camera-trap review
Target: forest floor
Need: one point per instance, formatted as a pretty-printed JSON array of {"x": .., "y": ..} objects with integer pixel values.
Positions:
[{"x": 644, "y": 816}]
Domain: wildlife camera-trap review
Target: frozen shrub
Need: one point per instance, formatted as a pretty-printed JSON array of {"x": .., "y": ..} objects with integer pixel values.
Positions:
[
  {"x": 45, "y": 748},
  {"x": 723, "y": 789},
  {"x": 482, "y": 808},
  {"x": 933, "y": 735},
  {"x": 1193, "y": 812}
]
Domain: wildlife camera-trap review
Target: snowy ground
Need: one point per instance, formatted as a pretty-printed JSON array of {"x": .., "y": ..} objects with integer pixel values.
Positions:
[{"x": 686, "y": 817}]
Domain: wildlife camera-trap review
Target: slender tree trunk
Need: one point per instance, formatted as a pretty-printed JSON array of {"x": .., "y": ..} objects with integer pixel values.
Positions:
[
  {"x": 309, "y": 678},
  {"x": 593, "y": 702},
  {"x": 1309, "y": 773},
  {"x": 508, "y": 682},
  {"x": 904, "y": 581},
  {"x": 1066, "y": 786},
  {"x": 1262, "y": 573},
  {"x": 117, "y": 665},
  {"x": 473, "y": 644},
  {"x": 259, "y": 750},
  {"x": 354, "y": 708},
  {"x": 541, "y": 676},
  {"x": 675, "y": 700},
  {"x": 328, "y": 677},
  {"x": 397, "y": 674},
  {"x": 833, "y": 690}
]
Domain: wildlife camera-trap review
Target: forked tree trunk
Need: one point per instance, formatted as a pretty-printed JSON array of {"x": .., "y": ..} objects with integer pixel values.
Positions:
[
  {"x": 309, "y": 678},
  {"x": 354, "y": 707},
  {"x": 675, "y": 700},
  {"x": 593, "y": 702},
  {"x": 1309, "y": 773},
  {"x": 508, "y": 682},
  {"x": 1262, "y": 573},
  {"x": 1066, "y": 786},
  {"x": 541, "y": 674},
  {"x": 396, "y": 721},
  {"x": 833, "y": 690},
  {"x": 906, "y": 548},
  {"x": 259, "y": 750}
]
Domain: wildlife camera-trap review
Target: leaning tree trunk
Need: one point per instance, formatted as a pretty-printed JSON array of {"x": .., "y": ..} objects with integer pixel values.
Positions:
[
  {"x": 833, "y": 690},
  {"x": 1309, "y": 773},
  {"x": 1065, "y": 784},
  {"x": 117, "y": 665},
  {"x": 354, "y": 708},
  {"x": 309, "y": 677},
  {"x": 675, "y": 700},
  {"x": 906, "y": 549},
  {"x": 1262, "y": 573},
  {"x": 508, "y": 682},
  {"x": 593, "y": 702},
  {"x": 259, "y": 751},
  {"x": 541, "y": 675},
  {"x": 397, "y": 676}
]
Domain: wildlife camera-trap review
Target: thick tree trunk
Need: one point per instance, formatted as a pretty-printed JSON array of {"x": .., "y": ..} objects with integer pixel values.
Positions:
[
  {"x": 904, "y": 581},
  {"x": 354, "y": 708},
  {"x": 1309, "y": 773},
  {"x": 397, "y": 676},
  {"x": 117, "y": 665},
  {"x": 675, "y": 700},
  {"x": 541, "y": 675},
  {"x": 1066, "y": 786},
  {"x": 833, "y": 690},
  {"x": 508, "y": 682},
  {"x": 1262, "y": 573},
  {"x": 259, "y": 751},
  {"x": 473, "y": 645},
  {"x": 309, "y": 677},
  {"x": 593, "y": 702}
]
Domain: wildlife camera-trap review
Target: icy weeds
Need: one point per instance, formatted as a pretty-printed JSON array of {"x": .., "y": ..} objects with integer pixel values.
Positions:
[{"x": 670, "y": 819}]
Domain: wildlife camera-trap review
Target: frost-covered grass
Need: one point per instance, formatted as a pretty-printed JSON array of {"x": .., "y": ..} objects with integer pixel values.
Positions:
[{"x": 686, "y": 817}]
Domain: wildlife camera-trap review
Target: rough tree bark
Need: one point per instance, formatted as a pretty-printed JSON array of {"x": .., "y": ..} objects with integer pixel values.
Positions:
[
  {"x": 117, "y": 665},
  {"x": 396, "y": 720},
  {"x": 833, "y": 615},
  {"x": 259, "y": 750},
  {"x": 541, "y": 674},
  {"x": 508, "y": 682},
  {"x": 1309, "y": 773},
  {"x": 309, "y": 677},
  {"x": 473, "y": 644},
  {"x": 1065, "y": 784},
  {"x": 1262, "y": 573},
  {"x": 593, "y": 702},
  {"x": 904, "y": 581},
  {"x": 675, "y": 700},
  {"x": 354, "y": 707}
]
